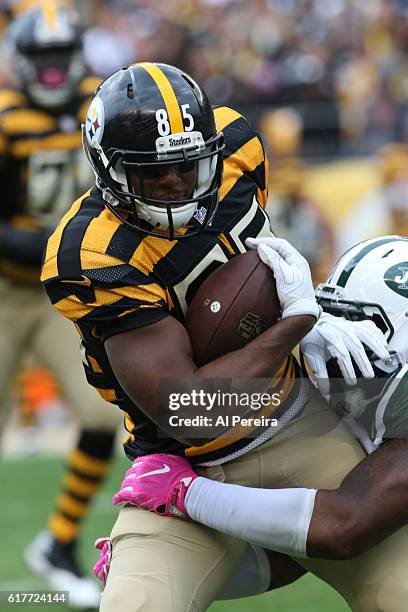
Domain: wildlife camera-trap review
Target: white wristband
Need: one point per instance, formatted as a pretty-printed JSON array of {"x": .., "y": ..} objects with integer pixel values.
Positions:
[{"x": 303, "y": 307}]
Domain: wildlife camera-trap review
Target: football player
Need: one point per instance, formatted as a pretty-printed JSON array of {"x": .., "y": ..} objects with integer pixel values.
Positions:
[
  {"x": 369, "y": 282},
  {"x": 179, "y": 189},
  {"x": 42, "y": 168}
]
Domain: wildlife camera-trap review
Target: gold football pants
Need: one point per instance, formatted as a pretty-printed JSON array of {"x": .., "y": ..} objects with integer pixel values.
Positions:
[
  {"x": 31, "y": 326},
  {"x": 163, "y": 564}
]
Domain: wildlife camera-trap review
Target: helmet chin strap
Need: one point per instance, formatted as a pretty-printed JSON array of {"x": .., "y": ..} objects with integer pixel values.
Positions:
[{"x": 157, "y": 216}]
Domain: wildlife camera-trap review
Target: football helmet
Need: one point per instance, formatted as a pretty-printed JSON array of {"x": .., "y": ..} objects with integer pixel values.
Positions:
[
  {"x": 144, "y": 120},
  {"x": 46, "y": 45},
  {"x": 370, "y": 281}
]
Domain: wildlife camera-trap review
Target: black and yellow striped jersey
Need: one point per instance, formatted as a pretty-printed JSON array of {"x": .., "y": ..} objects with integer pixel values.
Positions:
[
  {"x": 108, "y": 278},
  {"x": 42, "y": 166}
]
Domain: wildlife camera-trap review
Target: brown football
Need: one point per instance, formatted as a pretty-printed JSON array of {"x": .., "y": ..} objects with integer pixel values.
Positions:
[{"x": 236, "y": 303}]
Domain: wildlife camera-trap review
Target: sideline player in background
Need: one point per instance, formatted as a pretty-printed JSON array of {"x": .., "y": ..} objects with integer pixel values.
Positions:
[
  {"x": 42, "y": 168},
  {"x": 169, "y": 205}
]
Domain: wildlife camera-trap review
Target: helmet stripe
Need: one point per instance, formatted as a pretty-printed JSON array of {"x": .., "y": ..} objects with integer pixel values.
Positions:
[
  {"x": 168, "y": 95},
  {"x": 345, "y": 259},
  {"x": 50, "y": 12},
  {"x": 345, "y": 275}
]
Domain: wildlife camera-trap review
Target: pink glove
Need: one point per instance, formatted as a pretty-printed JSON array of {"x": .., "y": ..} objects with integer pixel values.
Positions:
[
  {"x": 159, "y": 483},
  {"x": 102, "y": 567}
]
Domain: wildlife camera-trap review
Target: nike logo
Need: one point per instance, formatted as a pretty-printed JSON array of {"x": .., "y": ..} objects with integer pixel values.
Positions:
[
  {"x": 162, "y": 470},
  {"x": 86, "y": 282}
]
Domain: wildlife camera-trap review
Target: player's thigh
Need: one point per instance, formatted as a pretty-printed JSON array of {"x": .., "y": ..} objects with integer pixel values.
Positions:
[
  {"x": 166, "y": 564},
  {"x": 376, "y": 581},
  {"x": 314, "y": 451},
  {"x": 57, "y": 345}
]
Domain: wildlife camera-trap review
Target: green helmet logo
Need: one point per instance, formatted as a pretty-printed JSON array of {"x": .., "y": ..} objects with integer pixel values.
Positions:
[{"x": 396, "y": 278}]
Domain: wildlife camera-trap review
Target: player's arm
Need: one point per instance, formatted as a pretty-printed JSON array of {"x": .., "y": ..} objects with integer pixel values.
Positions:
[
  {"x": 284, "y": 570},
  {"x": 23, "y": 246},
  {"x": 370, "y": 504},
  {"x": 142, "y": 357}
]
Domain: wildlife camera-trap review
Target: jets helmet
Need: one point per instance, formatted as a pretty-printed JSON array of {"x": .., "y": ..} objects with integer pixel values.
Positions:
[
  {"x": 142, "y": 120},
  {"x": 46, "y": 45},
  {"x": 370, "y": 281}
]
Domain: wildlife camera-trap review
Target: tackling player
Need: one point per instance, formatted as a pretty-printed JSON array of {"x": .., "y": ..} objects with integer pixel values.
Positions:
[
  {"x": 179, "y": 189},
  {"x": 368, "y": 283}
]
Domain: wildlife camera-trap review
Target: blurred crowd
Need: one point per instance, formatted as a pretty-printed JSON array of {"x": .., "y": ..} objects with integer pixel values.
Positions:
[
  {"x": 341, "y": 64},
  {"x": 323, "y": 80}
]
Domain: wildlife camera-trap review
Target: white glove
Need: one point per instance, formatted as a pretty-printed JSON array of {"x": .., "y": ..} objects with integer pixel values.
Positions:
[
  {"x": 342, "y": 339},
  {"x": 292, "y": 275}
]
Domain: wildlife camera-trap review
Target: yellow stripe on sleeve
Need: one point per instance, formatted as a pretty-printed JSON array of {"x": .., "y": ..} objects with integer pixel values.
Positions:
[
  {"x": 98, "y": 236},
  {"x": 9, "y": 97},
  {"x": 247, "y": 158},
  {"x": 50, "y": 267},
  {"x": 224, "y": 116},
  {"x": 21, "y": 121},
  {"x": 149, "y": 252},
  {"x": 24, "y": 148},
  {"x": 72, "y": 307}
]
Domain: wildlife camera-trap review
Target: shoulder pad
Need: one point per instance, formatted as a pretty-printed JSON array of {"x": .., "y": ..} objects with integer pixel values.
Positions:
[
  {"x": 11, "y": 99},
  {"x": 224, "y": 115}
]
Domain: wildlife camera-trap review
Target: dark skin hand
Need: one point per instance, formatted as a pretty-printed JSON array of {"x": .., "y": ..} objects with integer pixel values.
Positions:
[{"x": 140, "y": 358}]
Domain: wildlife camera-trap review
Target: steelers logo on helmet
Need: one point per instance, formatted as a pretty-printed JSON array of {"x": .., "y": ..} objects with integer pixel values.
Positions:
[{"x": 95, "y": 122}]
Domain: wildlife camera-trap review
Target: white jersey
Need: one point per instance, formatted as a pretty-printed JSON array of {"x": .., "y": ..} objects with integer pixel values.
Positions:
[{"x": 387, "y": 416}]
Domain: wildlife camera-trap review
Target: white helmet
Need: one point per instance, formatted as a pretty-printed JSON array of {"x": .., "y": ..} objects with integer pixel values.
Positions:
[{"x": 370, "y": 281}]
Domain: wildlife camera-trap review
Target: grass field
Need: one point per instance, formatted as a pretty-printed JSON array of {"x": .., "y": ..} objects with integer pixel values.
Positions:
[{"x": 28, "y": 487}]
